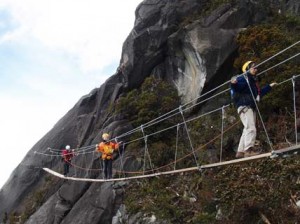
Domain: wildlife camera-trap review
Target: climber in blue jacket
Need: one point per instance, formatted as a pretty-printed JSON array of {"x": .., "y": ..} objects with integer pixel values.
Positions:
[{"x": 244, "y": 99}]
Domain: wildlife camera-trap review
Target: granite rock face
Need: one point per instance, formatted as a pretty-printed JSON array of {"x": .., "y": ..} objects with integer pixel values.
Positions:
[{"x": 194, "y": 56}]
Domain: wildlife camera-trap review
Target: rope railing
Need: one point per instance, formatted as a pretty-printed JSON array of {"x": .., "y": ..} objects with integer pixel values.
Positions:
[
  {"x": 158, "y": 132},
  {"x": 275, "y": 55},
  {"x": 155, "y": 121},
  {"x": 180, "y": 110},
  {"x": 173, "y": 126},
  {"x": 77, "y": 150},
  {"x": 280, "y": 63},
  {"x": 167, "y": 165}
]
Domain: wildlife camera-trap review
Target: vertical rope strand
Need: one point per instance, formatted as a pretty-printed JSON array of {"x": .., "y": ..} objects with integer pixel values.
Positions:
[
  {"x": 176, "y": 146},
  {"x": 189, "y": 137},
  {"x": 85, "y": 165},
  {"x": 149, "y": 157},
  {"x": 122, "y": 161},
  {"x": 222, "y": 133},
  {"x": 146, "y": 151},
  {"x": 295, "y": 109},
  {"x": 92, "y": 162},
  {"x": 145, "y": 140},
  {"x": 145, "y": 155},
  {"x": 74, "y": 162}
]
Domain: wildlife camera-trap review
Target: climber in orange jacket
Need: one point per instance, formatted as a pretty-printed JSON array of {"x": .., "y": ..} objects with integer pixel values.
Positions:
[{"x": 107, "y": 149}]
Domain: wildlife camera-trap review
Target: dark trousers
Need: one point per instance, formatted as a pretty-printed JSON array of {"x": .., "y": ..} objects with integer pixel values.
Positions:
[
  {"x": 107, "y": 168},
  {"x": 66, "y": 168}
]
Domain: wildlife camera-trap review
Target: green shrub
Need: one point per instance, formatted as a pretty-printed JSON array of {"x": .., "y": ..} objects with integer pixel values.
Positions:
[{"x": 154, "y": 98}]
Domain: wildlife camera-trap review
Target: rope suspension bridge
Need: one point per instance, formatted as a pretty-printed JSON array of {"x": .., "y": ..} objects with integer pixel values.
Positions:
[{"x": 147, "y": 169}]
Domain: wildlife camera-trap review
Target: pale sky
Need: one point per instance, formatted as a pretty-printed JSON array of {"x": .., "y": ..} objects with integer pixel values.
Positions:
[{"x": 52, "y": 52}]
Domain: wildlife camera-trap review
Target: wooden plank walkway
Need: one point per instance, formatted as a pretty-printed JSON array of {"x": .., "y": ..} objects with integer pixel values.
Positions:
[{"x": 275, "y": 153}]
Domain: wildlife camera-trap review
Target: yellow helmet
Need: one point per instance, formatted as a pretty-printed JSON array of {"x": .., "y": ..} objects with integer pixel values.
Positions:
[
  {"x": 246, "y": 65},
  {"x": 105, "y": 136}
]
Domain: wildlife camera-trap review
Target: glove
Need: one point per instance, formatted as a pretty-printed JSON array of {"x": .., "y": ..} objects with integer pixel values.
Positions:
[
  {"x": 233, "y": 80},
  {"x": 273, "y": 84}
]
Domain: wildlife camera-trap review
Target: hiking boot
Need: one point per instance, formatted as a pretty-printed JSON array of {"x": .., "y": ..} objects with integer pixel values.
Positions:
[
  {"x": 239, "y": 155},
  {"x": 252, "y": 152}
]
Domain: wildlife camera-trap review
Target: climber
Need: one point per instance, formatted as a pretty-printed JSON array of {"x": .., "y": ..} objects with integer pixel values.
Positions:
[
  {"x": 246, "y": 106},
  {"x": 107, "y": 148},
  {"x": 67, "y": 155}
]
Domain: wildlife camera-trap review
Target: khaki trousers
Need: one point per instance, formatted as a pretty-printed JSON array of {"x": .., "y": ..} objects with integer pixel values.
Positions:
[{"x": 248, "y": 118}]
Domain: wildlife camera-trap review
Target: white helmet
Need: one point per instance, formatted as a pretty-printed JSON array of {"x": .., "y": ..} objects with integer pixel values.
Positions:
[
  {"x": 105, "y": 136},
  {"x": 68, "y": 147}
]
